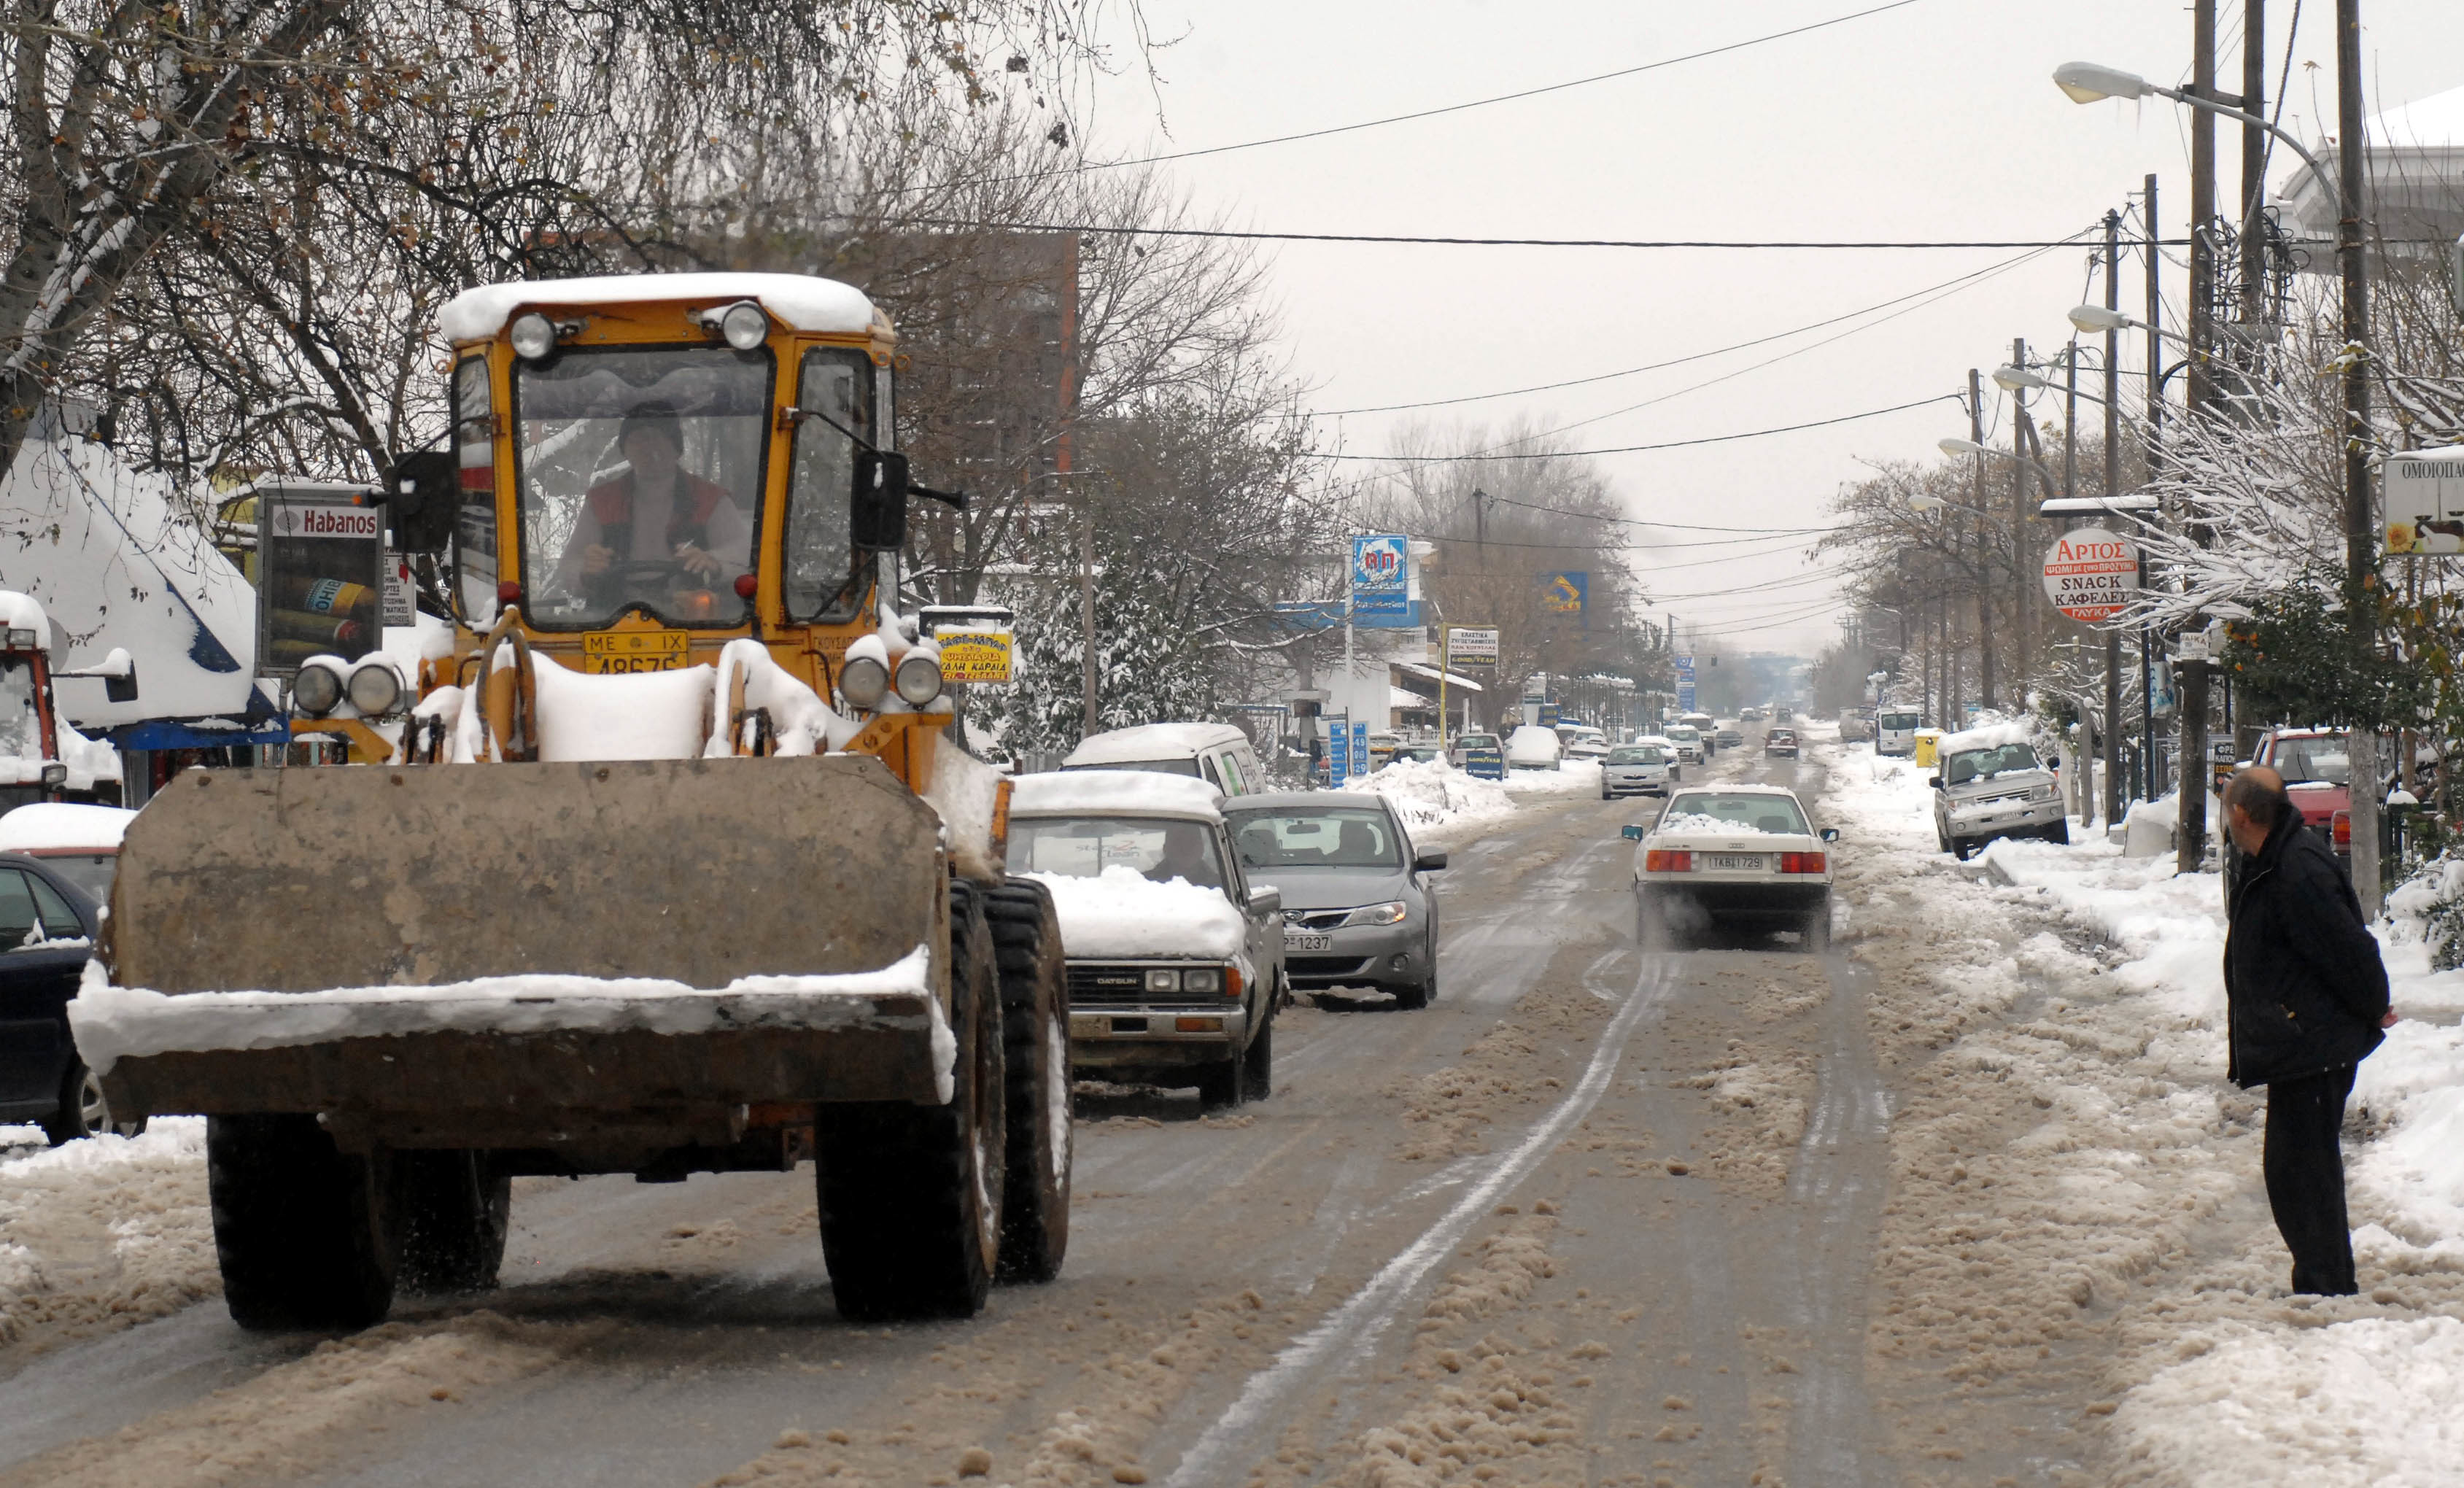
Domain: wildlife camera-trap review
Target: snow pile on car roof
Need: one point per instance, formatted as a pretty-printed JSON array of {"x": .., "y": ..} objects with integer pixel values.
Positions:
[
  {"x": 1430, "y": 794},
  {"x": 1114, "y": 792},
  {"x": 1125, "y": 913},
  {"x": 1152, "y": 741},
  {"x": 1991, "y": 735},
  {"x": 61, "y": 826},
  {"x": 1696, "y": 823}
]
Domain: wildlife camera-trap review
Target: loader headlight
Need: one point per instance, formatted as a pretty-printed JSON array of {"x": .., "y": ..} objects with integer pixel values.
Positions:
[
  {"x": 533, "y": 334},
  {"x": 919, "y": 678},
  {"x": 864, "y": 681},
  {"x": 21, "y": 639},
  {"x": 375, "y": 688},
  {"x": 743, "y": 325},
  {"x": 317, "y": 689},
  {"x": 55, "y": 774}
]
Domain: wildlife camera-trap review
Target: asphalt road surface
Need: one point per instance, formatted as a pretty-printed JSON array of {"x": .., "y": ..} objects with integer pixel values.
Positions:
[{"x": 1592, "y": 1216}]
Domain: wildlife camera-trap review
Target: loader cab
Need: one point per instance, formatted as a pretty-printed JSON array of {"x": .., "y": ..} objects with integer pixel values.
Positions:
[{"x": 647, "y": 468}]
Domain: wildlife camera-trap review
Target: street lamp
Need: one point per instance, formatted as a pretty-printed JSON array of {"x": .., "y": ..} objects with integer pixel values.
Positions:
[
  {"x": 1927, "y": 501},
  {"x": 1972, "y": 446},
  {"x": 2018, "y": 380},
  {"x": 2087, "y": 82}
]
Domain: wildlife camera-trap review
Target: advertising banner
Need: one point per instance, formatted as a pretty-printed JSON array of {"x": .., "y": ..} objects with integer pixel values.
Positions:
[
  {"x": 1471, "y": 646},
  {"x": 973, "y": 655},
  {"x": 1382, "y": 577},
  {"x": 1685, "y": 684},
  {"x": 320, "y": 576},
  {"x": 1565, "y": 593},
  {"x": 2090, "y": 574},
  {"x": 2425, "y": 503}
]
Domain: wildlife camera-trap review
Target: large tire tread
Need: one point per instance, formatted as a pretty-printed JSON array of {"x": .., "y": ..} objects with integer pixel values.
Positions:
[
  {"x": 301, "y": 1226},
  {"x": 1035, "y": 1053},
  {"x": 901, "y": 1190},
  {"x": 453, "y": 1211}
]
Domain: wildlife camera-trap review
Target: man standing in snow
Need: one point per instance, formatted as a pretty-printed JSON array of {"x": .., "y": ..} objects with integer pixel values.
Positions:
[{"x": 2306, "y": 999}]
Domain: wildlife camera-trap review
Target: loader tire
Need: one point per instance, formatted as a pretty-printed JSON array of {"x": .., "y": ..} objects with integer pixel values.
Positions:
[
  {"x": 301, "y": 1226},
  {"x": 1035, "y": 1059},
  {"x": 911, "y": 1195},
  {"x": 452, "y": 1211}
]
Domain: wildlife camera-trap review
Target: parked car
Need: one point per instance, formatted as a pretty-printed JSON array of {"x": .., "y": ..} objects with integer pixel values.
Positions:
[
  {"x": 2317, "y": 772},
  {"x": 1358, "y": 908},
  {"x": 1635, "y": 770},
  {"x": 1781, "y": 743},
  {"x": 1895, "y": 731},
  {"x": 1992, "y": 785},
  {"x": 1728, "y": 735},
  {"x": 1176, "y": 959},
  {"x": 1533, "y": 746},
  {"x": 1582, "y": 741},
  {"x": 1416, "y": 754},
  {"x": 1215, "y": 753},
  {"x": 1855, "y": 727},
  {"x": 48, "y": 925},
  {"x": 1690, "y": 747},
  {"x": 1481, "y": 754},
  {"x": 80, "y": 843},
  {"x": 1739, "y": 856},
  {"x": 1381, "y": 749}
]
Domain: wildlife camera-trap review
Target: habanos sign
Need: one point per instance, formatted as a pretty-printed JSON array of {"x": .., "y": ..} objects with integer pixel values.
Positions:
[{"x": 2090, "y": 574}]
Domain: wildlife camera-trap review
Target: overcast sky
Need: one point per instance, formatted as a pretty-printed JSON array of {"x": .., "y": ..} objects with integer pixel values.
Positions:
[{"x": 1936, "y": 119}]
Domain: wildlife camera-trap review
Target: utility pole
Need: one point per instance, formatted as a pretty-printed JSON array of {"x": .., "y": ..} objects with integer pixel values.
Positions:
[
  {"x": 1087, "y": 611},
  {"x": 2360, "y": 556},
  {"x": 2022, "y": 475},
  {"x": 2254, "y": 163},
  {"x": 1480, "y": 523},
  {"x": 2190, "y": 677},
  {"x": 2113, "y": 488},
  {"x": 1983, "y": 569},
  {"x": 2155, "y": 447}
]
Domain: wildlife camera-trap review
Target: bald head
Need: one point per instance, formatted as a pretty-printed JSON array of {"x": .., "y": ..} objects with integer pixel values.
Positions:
[{"x": 2255, "y": 802}]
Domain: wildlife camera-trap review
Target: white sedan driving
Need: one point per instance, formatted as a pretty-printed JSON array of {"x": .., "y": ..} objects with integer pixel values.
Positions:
[{"x": 1741, "y": 857}]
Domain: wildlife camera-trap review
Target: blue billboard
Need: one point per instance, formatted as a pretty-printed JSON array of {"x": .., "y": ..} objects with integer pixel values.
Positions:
[
  {"x": 1381, "y": 579},
  {"x": 1685, "y": 684}
]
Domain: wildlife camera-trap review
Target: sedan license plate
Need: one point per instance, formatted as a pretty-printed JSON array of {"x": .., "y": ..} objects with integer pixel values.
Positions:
[
  {"x": 1294, "y": 942},
  {"x": 1737, "y": 862}
]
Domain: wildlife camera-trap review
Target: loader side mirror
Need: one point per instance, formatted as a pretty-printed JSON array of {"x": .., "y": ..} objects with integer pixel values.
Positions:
[
  {"x": 422, "y": 492},
  {"x": 121, "y": 688},
  {"x": 878, "y": 520}
]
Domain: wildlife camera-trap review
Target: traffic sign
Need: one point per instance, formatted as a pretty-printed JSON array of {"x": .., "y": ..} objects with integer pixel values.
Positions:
[{"x": 2091, "y": 574}]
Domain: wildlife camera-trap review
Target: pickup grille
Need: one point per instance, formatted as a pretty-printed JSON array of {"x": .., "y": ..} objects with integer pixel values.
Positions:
[{"x": 1117, "y": 986}]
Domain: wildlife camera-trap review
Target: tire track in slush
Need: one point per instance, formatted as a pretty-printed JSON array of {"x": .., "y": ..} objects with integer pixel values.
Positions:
[{"x": 1237, "y": 1437}]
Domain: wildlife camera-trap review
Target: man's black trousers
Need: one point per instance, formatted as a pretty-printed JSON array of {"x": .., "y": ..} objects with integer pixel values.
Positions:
[{"x": 2305, "y": 1177}]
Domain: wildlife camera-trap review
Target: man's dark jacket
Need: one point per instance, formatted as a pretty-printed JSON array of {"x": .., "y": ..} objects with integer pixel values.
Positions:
[{"x": 2304, "y": 990}]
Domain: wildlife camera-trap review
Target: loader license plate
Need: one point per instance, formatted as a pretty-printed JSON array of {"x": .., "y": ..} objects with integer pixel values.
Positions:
[
  {"x": 1309, "y": 942},
  {"x": 1738, "y": 862},
  {"x": 634, "y": 650}
]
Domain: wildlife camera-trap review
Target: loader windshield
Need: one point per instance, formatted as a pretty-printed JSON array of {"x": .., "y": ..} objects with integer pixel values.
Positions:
[
  {"x": 21, "y": 726},
  {"x": 641, "y": 476}
]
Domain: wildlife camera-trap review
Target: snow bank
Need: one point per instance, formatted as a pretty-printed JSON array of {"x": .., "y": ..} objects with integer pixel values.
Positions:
[
  {"x": 1125, "y": 915},
  {"x": 105, "y": 1233},
  {"x": 54, "y": 825},
  {"x": 2371, "y": 1401},
  {"x": 1571, "y": 777},
  {"x": 1430, "y": 794},
  {"x": 112, "y": 1022}
]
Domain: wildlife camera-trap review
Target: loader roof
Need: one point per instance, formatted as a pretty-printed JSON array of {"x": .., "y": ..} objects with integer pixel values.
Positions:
[
  {"x": 1139, "y": 792},
  {"x": 804, "y": 301}
]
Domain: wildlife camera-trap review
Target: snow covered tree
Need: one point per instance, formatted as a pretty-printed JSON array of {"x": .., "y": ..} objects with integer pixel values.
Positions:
[{"x": 1150, "y": 664}]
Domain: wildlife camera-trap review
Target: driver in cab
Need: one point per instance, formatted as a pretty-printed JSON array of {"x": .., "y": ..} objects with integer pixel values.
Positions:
[{"x": 656, "y": 512}]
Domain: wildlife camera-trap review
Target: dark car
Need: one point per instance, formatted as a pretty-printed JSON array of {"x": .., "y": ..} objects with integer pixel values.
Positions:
[
  {"x": 47, "y": 925},
  {"x": 1780, "y": 741},
  {"x": 1358, "y": 908}
]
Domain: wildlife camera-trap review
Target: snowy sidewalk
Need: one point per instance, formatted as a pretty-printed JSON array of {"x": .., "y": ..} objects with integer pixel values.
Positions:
[{"x": 2222, "y": 1377}]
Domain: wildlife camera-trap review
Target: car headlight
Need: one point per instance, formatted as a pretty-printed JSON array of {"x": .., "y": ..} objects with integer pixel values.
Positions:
[
  {"x": 2042, "y": 793},
  {"x": 375, "y": 688},
  {"x": 317, "y": 689},
  {"x": 864, "y": 681},
  {"x": 1162, "y": 979},
  {"x": 919, "y": 678},
  {"x": 1204, "y": 978},
  {"x": 533, "y": 334},
  {"x": 1391, "y": 912}
]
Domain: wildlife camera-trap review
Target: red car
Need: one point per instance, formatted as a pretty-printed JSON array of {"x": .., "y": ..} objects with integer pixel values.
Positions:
[{"x": 2313, "y": 762}]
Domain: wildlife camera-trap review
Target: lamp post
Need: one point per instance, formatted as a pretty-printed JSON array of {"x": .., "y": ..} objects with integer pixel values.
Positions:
[{"x": 2086, "y": 82}]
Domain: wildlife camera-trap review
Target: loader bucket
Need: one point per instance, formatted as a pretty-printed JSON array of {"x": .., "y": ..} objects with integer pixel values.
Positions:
[{"x": 698, "y": 872}]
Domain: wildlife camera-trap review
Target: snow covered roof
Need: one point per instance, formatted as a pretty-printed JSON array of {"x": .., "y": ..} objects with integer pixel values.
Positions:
[
  {"x": 117, "y": 560},
  {"x": 1153, "y": 741},
  {"x": 803, "y": 302},
  {"x": 1452, "y": 679},
  {"x": 1397, "y": 697},
  {"x": 1993, "y": 735},
  {"x": 2430, "y": 123},
  {"x": 1142, "y": 793},
  {"x": 23, "y": 612},
  {"x": 55, "y": 826}
]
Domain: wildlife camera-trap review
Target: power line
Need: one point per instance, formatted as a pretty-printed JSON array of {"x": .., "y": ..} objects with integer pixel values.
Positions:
[
  {"x": 1673, "y": 444},
  {"x": 969, "y": 225},
  {"x": 1450, "y": 108}
]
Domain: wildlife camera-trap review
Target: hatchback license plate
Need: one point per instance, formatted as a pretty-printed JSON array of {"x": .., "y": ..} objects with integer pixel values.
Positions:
[
  {"x": 1737, "y": 862},
  {"x": 1309, "y": 942}
]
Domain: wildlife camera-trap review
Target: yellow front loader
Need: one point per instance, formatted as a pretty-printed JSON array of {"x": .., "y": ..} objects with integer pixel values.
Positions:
[{"x": 662, "y": 864}]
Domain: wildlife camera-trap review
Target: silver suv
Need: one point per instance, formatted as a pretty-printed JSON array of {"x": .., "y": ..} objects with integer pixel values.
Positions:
[{"x": 1992, "y": 785}]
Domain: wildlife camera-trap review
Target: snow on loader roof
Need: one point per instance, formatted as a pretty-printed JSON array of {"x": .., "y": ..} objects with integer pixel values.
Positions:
[{"x": 805, "y": 302}]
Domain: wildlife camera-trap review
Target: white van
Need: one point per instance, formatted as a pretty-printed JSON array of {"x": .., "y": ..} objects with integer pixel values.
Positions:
[
  {"x": 1895, "y": 730},
  {"x": 1215, "y": 753}
]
